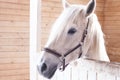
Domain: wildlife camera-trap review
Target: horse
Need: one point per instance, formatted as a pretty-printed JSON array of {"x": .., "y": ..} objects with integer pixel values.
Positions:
[{"x": 75, "y": 34}]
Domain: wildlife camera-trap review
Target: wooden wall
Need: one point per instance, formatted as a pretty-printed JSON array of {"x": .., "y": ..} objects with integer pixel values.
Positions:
[
  {"x": 51, "y": 9},
  {"x": 14, "y": 39},
  {"x": 112, "y": 28}
]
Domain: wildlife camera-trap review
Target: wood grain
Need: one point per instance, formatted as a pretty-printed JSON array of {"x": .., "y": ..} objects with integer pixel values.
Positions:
[
  {"x": 14, "y": 39},
  {"x": 112, "y": 28}
]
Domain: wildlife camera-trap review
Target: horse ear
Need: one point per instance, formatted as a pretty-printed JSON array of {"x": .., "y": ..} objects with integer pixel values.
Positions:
[
  {"x": 90, "y": 7},
  {"x": 65, "y": 4}
]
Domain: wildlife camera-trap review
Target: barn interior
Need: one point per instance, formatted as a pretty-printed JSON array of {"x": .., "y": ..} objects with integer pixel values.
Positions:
[{"x": 14, "y": 32}]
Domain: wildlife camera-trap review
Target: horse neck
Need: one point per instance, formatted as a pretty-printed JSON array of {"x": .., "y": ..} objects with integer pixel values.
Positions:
[{"x": 94, "y": 47}]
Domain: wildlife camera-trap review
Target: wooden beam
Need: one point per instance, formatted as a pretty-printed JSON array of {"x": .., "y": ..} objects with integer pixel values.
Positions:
[{"x": 34, "y": 36}]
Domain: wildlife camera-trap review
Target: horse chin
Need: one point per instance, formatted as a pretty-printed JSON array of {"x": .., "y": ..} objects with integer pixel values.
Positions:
[{"x": 49, "y": 73}]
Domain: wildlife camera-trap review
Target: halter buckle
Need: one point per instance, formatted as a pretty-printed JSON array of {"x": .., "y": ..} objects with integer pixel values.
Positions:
[{"x": 62, "y": 67}]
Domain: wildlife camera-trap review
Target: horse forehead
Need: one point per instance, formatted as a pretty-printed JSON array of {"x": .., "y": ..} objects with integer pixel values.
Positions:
[{"x": 65, "y": 21}]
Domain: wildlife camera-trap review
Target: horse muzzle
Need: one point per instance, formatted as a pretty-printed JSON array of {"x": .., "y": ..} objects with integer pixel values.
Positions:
[{"x": 47, "y": 69}]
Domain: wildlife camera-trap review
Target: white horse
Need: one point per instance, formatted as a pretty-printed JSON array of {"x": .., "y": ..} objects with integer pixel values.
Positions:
[{"x": 76, "y": 32}]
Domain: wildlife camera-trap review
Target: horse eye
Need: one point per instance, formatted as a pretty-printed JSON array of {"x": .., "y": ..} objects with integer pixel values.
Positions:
[{"x": 72, "y": 31}]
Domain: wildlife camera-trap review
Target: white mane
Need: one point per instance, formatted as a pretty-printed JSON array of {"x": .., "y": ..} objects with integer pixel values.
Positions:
[{"x": 94, "y": 46}]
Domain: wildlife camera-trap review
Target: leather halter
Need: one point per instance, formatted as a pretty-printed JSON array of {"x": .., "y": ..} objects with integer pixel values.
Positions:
[{"x": 62, "y": 57}]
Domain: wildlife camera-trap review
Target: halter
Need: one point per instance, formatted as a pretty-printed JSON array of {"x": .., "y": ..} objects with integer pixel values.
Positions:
[{"x": 62, "y": 57}]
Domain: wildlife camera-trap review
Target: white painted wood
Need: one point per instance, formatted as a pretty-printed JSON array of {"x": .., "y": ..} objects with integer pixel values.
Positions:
[
  {"x": 105, "y": 76},
  {"x": 75, "y": 72},
  {"x": 89, "y": 70},
  {"x": 34, "y": 39},
  {"x": 67, "y": 73},
  {"x": 118, "y": 78},
  {"x": 92, "y": 75}
]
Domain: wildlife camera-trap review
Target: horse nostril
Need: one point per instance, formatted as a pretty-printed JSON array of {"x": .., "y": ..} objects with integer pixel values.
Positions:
[{"x": 43, "y": 67}]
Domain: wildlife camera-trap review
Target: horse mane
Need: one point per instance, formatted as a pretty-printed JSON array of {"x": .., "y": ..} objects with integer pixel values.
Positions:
[{"x": 94, "y": 45}]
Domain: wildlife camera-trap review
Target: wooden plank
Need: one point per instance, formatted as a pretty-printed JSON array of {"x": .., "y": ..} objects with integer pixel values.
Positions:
[
  {"x": 50, "y": 9},
  {"x": 112, "y": 18},
  {"x": 112, "y": 24},
  {"x": 112, "y": 9},
  {"x": 113, "y": 39},
  {"x": 112, "y": 3},
  {"x": 14, "y": 24},
  {"x": 75, "y": 72},
  {"x": 48, "y": 20},
  {"x": 67, "y": 73},
  {"x": 13, "y": 60},
  {"x": 112, "y": 0},
  {"x": 105, "y": 76},
  {"x": 99, "y": 12},
  {"x": 54, "y": 1},
  {"x": 118, "y": 78},
  {"x": 14, "y": 18},
  {"x": 15, "y": 77},
  {"x": 82, "y": 71},
  {"x": 92, "y": 75},
  {"x": 7, "y": 5},
  {"x": 16, "y": 29},
  {"x": 14, "y": 42},
  {"x": 111, "y": 35},
  {"x": 100, "y": 4},
  {"x": 114, "y": 58},
  {"x": 16, "y": 1},
  {"x": 14, "y": 35},
  {"x": 82, "y": 75},
  {"x": 100, "y": 1},
  {"x": 22, "y": 48},
  {"x": 113, "y": 42},
  {"x": 14, "y": 12},
  {"x": 110, "y": 31},
  {"x": 112, "y": 27},
  {"x": 110, "y": 14},
  {"x": 51, "y": 4},
  {"x": 60, "y": 75},
  {"x": 40, "y": 77},
  {"x": 5, "y": 67},
  {"x": 99, "y": 8},
  {"x": 112, "y": 50},
  {"x": 14, "y": 72},
  {"x": 14, "y": 54}
]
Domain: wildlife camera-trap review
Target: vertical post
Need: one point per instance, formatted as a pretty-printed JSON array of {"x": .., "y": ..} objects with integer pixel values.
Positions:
[{"x": 34, "y": 36}]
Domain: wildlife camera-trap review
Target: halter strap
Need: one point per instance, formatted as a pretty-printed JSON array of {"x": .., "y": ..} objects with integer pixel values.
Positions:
[
  {"x": 52, "y": 52},
  {"x": 62, "y": 57},
  {"x": 58, "y": 54}
]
